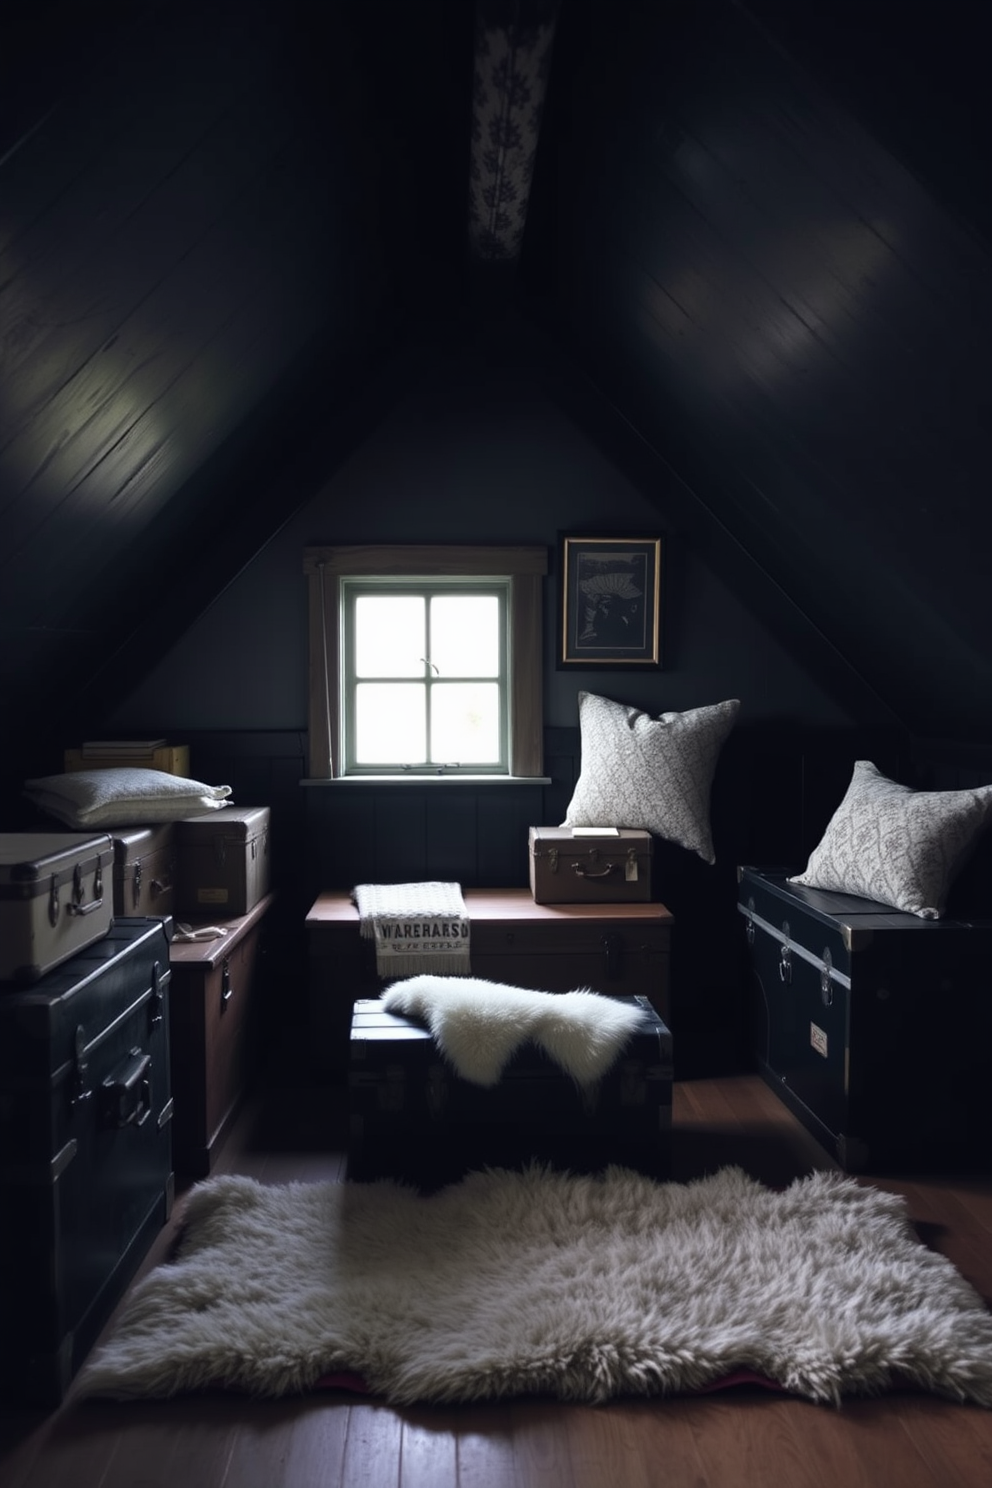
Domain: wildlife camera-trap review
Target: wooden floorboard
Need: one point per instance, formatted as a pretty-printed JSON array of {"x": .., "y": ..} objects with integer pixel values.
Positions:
[{"x": 740, "y": 1436}]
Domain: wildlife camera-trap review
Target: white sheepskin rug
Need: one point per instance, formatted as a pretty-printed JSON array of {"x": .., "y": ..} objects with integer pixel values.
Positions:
[
  {"x": 478, "y": 1025},
  {"x": 516, "y": 1283}
]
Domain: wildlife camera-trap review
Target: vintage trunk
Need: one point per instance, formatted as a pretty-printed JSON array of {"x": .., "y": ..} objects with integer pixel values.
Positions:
[
  {"x": 85, "y": 1149},
  {"x": 621, "y": 950},
  {"x": 215, "y": 986},
  {"x": 223, "y": 862},
  {"x": 411, "y": 1117},
  {"x": 144, "y": 869},
  {"x": 873, "y": 1026},
  {"x": 56, "y": 898},
  {"x": 570, "y": 866}
]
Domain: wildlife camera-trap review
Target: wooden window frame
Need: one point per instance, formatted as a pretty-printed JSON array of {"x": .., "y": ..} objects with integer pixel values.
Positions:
[{"x": 525, "y": 567}]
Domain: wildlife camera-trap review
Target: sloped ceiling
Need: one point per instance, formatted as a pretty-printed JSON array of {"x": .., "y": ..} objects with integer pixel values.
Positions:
[
  {"x": 758, "y": 235},
  {"x": 766, "y": 230}
]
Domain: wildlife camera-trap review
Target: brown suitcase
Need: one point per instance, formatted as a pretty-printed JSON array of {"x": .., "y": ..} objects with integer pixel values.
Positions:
[
  {"x": 56, "y": 898},
  {"x": 214, "y": 1023},
  {"x": 620, "y": 950},
  {"x": 144, "y": 869},
  {"x": 570, "y": 866},
  {"x": 223, "y": 862}
]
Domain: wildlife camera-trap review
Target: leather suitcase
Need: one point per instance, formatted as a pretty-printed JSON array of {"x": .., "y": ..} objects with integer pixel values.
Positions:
[
  {"x": 412, "y": 1117},
  {"x": 85, "y": 1149},
  {"x": 620, "y": 950},
  {"x": 569, "y": 866},
  {"x": 56, "y": 898},
  {"x": 144, "y": 869},
  {"x": 223, "y": 862},
  {"x": 871, "y": 1025},
  {"x": 215, "y": 1018}
]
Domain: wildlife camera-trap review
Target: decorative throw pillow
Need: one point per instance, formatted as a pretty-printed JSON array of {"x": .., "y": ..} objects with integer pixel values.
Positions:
[
  {"x": 895, "y": 845},
  {"x": 652, "y": 773},
  {"x": 122, "y": 797}
]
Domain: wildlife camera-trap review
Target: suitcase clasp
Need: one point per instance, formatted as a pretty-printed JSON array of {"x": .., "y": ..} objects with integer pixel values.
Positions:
[
  {"x": 157, "y": 1005},
  {"x": 785, "y": 956},
  {"x": 826, "y": 985},
  {"x": 76, "y": 905},
  {"x": 80, "y": 1091}
]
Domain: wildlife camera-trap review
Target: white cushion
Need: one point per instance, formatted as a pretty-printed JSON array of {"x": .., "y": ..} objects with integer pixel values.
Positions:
[
  {"x": 123, "y": 796},
  {"x": 895, "y": 845},
  {"x": 652, "y": 773}
]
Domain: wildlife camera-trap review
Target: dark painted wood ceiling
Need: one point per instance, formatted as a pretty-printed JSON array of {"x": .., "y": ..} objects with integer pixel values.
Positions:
[
  {"x": 766, "y": 229},
  {"x": 759, "y": 236}
]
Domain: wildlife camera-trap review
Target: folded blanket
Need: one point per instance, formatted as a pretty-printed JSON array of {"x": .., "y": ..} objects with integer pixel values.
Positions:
[
  {"x": 417, "y": 927},
  {"x": 478, "y": 1025}
]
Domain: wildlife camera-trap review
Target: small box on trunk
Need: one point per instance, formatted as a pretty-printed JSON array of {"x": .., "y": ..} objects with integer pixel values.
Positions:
[{"x": 582, "y": 865}]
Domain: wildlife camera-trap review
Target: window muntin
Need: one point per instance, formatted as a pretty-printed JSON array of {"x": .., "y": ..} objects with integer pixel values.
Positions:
[{"x": 425, "y": 677}]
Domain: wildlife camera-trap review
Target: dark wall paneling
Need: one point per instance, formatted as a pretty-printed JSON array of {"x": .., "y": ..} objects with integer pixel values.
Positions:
[
  {"x": 469, "y": 833},
  {"x": 787, "y": 315}
]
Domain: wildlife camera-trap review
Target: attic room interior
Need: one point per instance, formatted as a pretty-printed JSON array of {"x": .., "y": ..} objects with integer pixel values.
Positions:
[{"x": 708, "y": 279}]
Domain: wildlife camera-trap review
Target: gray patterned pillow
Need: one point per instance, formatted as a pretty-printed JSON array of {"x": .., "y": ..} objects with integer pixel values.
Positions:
[
  {"x": 895, "y": 845},
  {"x": 652, "y": 773}
]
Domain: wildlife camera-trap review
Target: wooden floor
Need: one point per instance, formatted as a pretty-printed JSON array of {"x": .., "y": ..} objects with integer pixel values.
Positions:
[{"x": 741, "y": 1436}]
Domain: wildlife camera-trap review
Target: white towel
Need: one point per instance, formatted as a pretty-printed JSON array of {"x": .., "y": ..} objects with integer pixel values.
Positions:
[{"x": 417, "y": 927}]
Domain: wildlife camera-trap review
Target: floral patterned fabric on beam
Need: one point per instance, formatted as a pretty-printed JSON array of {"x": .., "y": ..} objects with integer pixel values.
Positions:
[{"x": 513, "y": 46}]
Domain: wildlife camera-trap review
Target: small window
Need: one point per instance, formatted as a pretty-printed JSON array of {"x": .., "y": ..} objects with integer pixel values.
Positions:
[
  {"x": 424, "y": 683},
  {"x": 425, "y": 660}
]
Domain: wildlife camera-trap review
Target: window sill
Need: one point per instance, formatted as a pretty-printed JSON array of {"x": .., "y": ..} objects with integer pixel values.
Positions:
[{"x": 364, "y": 781}]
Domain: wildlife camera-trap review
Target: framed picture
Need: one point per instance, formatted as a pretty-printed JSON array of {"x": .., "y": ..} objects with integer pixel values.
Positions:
[{"x": 610, "y": 601}]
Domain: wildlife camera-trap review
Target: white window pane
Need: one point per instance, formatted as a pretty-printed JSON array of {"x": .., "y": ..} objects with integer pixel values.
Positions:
[
  {"x": 390, "y": 723},
  {"x": 465, "y": 635},
  {"x": 390, "y": 635},
  {"x": 465, "y": 723}
]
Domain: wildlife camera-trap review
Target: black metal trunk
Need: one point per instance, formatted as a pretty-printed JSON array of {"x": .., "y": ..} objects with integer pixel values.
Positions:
[
  {"x": 85, "y": 1148},
  {"x": 873, "y": 1026},
  {"x": 412, "y": 1117}
]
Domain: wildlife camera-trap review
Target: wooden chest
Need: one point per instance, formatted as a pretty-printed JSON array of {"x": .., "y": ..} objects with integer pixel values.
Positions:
[
  {"x": 620, "y": 950},
  {"x": 873, "y": 1026},
  {"x": 215, "y": 994},
  {"x": 85, "y": 1149},
  {"x": 411, "y": 1117}
]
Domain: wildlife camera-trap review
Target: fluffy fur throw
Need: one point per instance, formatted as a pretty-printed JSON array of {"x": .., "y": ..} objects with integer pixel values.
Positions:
[
  {"x": 539, "y": 1283},
  {"x": 479, "y": 1025}
]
